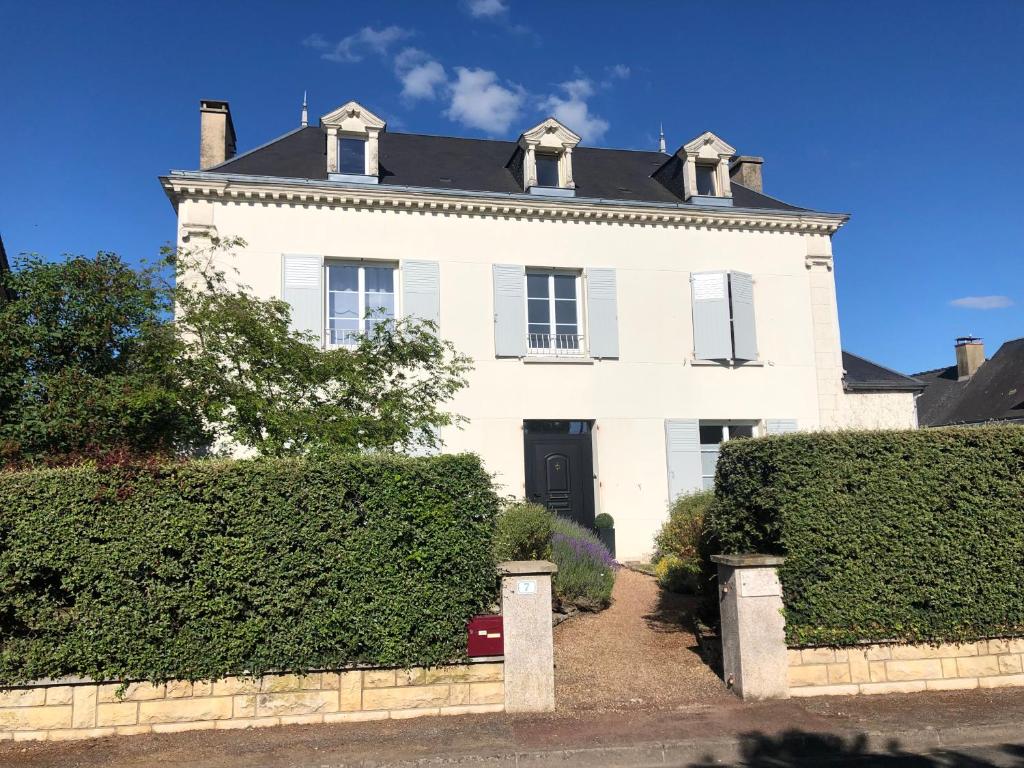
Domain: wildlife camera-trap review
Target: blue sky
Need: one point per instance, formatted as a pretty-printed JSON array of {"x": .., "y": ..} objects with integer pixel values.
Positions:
[{"x": 908, "y": 115}]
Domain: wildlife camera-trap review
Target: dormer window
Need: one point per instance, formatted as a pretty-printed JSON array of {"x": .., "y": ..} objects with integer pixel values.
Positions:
[
  {"x": 706, "y": 170},
  {"x": 543, "y": 160},
  {"x": 547, "y": 170},
  {"x": 352, "y": 155},
  {"x": 353, "y": 134},
  {"x": 706, "y": 179}
]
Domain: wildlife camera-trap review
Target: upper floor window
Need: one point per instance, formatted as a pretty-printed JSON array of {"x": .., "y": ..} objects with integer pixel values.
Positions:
[
  {"x": 359, "y": 297},
  {"x": 552, "y": 313},
  {"x": 706, "y": 174},
  {"x": 352, "y": 156},
  {"x": 547, "y": 170},
  {"x": 723, "y": 316}
]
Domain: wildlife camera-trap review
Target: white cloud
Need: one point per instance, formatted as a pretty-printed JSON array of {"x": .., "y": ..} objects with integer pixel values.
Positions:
[
  {"x": 355, "y": 46},
  {"x": 620, "y": 71},
  {"x": 574, "y": 112},
  {"x": 480, "y": 101},
  {"x": 486, "y": 9},
  {"x": 420, "y": 74},
  {"x": 982, "y": 302}
]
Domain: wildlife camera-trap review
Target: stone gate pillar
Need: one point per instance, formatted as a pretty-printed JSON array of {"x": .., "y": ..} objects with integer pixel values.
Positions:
[{"x": 529, "y": 648}]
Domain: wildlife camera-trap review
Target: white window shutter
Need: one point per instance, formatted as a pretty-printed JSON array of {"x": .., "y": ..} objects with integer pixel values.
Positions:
[
  {"x": 421, "y": 290},
  {"x": 709, "y": 293},
  {"x": 302, "y": 287},
  {"x": 744, "y": 334},
  {"x": 682, "y": 450},
  {"x": 602, "y": 313},
  {"x": 780, "y": 426},
  {"x": 509, "y": 310}
]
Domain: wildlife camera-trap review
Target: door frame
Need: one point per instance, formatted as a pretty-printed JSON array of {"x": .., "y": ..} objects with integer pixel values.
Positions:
[{"x": 531, "y": 439}]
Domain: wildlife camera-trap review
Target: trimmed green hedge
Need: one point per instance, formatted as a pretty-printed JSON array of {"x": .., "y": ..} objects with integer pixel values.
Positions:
[
  {"x": 213, "y": 568},
  {"x": 911, "y": 536}
]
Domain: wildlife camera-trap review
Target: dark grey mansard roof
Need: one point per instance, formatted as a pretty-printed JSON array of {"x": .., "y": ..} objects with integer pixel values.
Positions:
[
  {"x": 480, "y": 165},
  {"x": 994, "y": 393},
  {"x": 863, "y": 375}
]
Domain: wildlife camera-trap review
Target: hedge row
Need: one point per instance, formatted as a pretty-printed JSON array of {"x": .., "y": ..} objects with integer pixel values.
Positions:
[
  {"x": 214, "y": 568},
  {"x": 911, "y": 536}
]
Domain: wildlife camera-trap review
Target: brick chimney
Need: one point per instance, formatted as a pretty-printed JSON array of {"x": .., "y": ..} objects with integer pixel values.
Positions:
[
  {"x": 970, "y": 354},
  {"x": 216, "y": 133},
  {"x": 746, "y": 170}
]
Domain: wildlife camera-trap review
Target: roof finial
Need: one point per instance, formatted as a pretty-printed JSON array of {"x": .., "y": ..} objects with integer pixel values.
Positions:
[
  {"x": 305, "y": 113},
  {"x": 661, "y": 138}
]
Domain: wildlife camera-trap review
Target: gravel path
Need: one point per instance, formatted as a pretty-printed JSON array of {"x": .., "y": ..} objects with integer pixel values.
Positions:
[{"x": 637, "y": 654}]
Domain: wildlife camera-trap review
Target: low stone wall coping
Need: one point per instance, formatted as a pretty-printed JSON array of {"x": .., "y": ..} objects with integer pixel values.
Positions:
[
  {"x": 748, "y": 561},
  {"x": 526, "y": 567}
]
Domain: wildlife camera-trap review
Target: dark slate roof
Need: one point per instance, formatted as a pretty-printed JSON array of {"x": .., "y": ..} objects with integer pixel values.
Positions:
[
  {"x": 994, "y": 393},
  {"x": 863, "y": 375},
  {"x": 5, "y": 265},
  {"x": 478, "y": 165}
]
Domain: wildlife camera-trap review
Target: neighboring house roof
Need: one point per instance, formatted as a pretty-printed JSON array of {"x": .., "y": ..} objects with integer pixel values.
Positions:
[
  {"x": 994, "y": 393},
  {"x": 863, "y": 375},
  {"x": 480, "y": 165},
  {"x": 5, "y": 266}
]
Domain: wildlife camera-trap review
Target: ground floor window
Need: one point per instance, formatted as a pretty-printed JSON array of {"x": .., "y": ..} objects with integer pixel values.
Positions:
[{"x": 712, "y": 435}]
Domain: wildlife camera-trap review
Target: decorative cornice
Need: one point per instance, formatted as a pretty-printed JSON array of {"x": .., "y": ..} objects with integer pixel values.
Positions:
[
  {"x": 818, "y": 260},
  {"x": 181, "y": 185}
]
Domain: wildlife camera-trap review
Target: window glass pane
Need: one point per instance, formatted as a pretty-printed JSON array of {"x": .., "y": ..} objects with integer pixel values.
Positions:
[
  {"x": 709, "y": 483},
  {"x": 537, "y": 286},
  {"x": 342, "y": 278},
  {"x": 380, "y": 280},
  {"x": 565, "y": 287},
  {"x": 741, "y": 430},
  {"x": 569, "y": 329},
  {"x": 565, "y": 312},
  {"x": 342, "y": 331},
  {"x": 547, "y": 170},
  {"x": 566, "y": 337},
  {"x": 705, "y": 179},
  {"x": 343, "y": 304},
  {"x": 352, "y": 155},
  {"x": 708, "y": 460},
  {"x": 710, "y": 434},
  {"x": 538, "y": 311}
]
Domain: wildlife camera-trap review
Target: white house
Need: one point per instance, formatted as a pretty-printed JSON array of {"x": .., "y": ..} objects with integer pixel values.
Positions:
[{"x": 626, "y": 311}]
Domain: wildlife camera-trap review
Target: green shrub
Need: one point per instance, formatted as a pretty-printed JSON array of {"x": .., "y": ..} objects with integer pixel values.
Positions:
[
  {"x": 604, "y": 520},
  {"x": 911, "y": 536},
  {"x": 523, "y": 532},
  {"x": 213, "y": 568},
  {"x": 586, "y": 570},
  {"x": 678, "y": 556}
]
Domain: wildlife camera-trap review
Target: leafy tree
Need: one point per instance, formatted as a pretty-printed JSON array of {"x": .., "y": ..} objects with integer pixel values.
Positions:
[
  {"x": 99, "y": 357},
  {"x": 278, "y": 391},
  {"x": 87, "y": 363}
]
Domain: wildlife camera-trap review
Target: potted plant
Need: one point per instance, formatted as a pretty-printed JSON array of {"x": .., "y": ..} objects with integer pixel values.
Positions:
[{"x": 605, "y": 525}]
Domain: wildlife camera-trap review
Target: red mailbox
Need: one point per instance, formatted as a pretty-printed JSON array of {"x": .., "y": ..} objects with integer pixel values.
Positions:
[{"x": 486, "y": 636}]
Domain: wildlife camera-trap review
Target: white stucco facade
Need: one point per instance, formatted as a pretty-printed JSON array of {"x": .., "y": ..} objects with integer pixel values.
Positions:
[{"x": 628, "y": 398}]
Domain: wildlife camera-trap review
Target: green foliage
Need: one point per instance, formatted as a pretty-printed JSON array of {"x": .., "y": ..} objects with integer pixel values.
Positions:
[
  {"x": 523, "y": 532},
  {"x": 604, "y": 520},
  {"x": 678, "y": 543},
  {"x": 88, "y": 363},
  {"x": 100, "y": 358},
  {"x": 210, "y": 568},
  {"x": 586, "y": 570},
  {"x": 911, "y": 536},
  {"x": 276, "y": 390}
]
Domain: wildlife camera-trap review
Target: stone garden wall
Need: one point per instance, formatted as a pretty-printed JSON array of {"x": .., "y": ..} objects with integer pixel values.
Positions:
[
  {"x": 901, "y": 668},
  {"x": 83, "y": 710}
]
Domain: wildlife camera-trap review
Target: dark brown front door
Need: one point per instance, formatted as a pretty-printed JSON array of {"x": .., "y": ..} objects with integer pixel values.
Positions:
[{"x": 560, "y": 468}]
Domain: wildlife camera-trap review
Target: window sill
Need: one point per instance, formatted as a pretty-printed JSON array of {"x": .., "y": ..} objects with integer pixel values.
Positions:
[
  {"x": 730, "y": 363},
  {"x": 353, "y": 178},
  {"x": 553, "y": 191},
  {"x": 561, "y": 359},
  {"x": 714, "y": 201}
]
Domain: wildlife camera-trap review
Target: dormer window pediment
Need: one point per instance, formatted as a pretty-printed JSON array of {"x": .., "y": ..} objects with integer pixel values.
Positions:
[
  {"x": 547, "y": 159},
  {"x": 353, "y": 134},
  {"x": 706, "y": 170}
]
